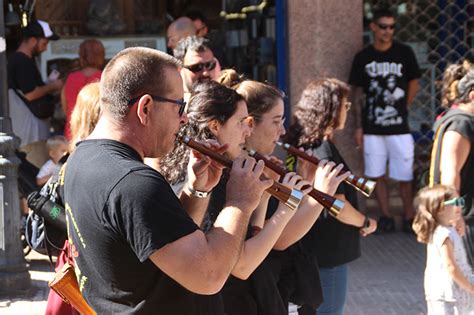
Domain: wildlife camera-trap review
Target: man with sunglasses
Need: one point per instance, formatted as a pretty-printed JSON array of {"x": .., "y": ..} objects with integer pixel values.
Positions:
[
  {"x": 387, "y": 73},
  {"x": 199, "y": 63},
  {"x": 137, "y": 248}
]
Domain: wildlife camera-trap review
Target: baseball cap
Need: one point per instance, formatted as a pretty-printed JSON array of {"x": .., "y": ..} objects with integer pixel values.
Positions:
[{"x": 38, "y": 28}]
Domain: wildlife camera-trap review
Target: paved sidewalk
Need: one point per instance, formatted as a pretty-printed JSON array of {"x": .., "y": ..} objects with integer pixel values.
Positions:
[
  {"x": 388, "y": 278},
  {"x": 32, "y": 302}
]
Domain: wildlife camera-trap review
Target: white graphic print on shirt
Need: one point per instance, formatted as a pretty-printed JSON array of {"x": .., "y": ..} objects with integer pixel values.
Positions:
[{"x": 383, "y": 95}]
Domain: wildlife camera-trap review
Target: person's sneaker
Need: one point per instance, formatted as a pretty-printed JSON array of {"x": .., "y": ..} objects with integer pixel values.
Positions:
[
  {"x": 385, "y": 225},
  {"x": 407, "y": 226}
]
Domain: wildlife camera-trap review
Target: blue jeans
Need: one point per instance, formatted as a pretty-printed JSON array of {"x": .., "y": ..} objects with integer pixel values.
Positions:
[{"x": 334, "y": 284}]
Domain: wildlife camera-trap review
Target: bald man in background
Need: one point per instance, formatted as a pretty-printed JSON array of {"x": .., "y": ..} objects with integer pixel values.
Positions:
[{"x": 180, "y": 28}]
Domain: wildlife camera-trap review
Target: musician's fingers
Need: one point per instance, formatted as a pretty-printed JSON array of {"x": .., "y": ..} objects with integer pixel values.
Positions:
[
  {"x": 267, "y": 183},
  {"x": 216, "y": 146},
  {"x": 287, "y": 177},
  {"x": 295, "y": 179},
  {"x": 249, "y": 163},
  {"x": 337, "y": 169},
  {"x": 304, "y": 186},
  {"x": 238, "y": 163},
  {"x": 322, "y": 163},
  {"x": 275, "y": 160},
  {"x": 328, "y": 167},
  {"x": 343, "y": 176},
  {"x": 258, "y": 167},
  {"x": 201, "y": 164}
]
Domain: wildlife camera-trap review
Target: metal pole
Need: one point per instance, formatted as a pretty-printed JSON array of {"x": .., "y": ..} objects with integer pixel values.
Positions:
[{"x": 14, "y": 276}]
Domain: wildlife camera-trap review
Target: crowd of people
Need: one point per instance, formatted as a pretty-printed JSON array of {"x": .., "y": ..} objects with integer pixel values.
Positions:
[{"x": 155, "y": 227}]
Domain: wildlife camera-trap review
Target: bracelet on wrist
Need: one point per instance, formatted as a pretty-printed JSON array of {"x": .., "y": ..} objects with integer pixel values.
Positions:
[
  {"x": 197, "y": 193},
  {"x": 366, "y": 222}
]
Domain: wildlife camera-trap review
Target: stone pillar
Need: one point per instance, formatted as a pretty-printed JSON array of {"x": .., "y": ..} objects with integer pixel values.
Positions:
[{"x": 323, "y": 39}]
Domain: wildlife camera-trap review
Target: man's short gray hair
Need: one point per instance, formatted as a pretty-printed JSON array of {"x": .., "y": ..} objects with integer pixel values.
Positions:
[
  {"x": 133, "y": 72},
  {"x": 190, "y": 43}
]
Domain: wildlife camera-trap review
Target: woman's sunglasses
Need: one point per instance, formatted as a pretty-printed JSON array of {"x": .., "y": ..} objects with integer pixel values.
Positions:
[{"x": 199, "y": 67}]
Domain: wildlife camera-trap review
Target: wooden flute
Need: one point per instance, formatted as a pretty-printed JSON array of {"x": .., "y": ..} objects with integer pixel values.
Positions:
[
  {"x": 365, "y": 186},
  {"x": 329, "y": 202},
  {"x": 290, "y": 197}
]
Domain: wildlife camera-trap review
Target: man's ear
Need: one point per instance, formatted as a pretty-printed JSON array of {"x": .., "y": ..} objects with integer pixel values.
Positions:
[
  {"x": 144, "y": 109},
  {"x": 372, "y": 26},
  {"x": 214, "y": 126},
  {"x": 471, "y": 95}
]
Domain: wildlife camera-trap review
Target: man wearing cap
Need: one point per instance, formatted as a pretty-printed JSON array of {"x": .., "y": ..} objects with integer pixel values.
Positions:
[{"x": 25, "y": 80}]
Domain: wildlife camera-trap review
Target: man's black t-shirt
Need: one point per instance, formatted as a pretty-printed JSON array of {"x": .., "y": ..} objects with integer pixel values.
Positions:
[
  {"x": 120, "y": 211},
  {"x": 332, "y": 242},
  {"x": 384, "y": 76},
  {"x": 23, "y": 74}
]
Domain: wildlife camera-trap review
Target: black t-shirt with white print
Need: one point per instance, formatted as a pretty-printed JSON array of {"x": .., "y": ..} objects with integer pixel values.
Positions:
[
  {"x": 120, "y": 211},
  {"x": 384, "y": 76}
]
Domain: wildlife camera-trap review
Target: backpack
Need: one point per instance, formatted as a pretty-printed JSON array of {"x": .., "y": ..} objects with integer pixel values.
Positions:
[{"x": 46, "y": 229}]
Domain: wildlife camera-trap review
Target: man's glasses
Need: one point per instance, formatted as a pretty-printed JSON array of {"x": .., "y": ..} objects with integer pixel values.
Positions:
[
  {"x": 386, "y": 26},
  {"x": 181, "y": 102},
  {"x": 199, "y": 67},
  {"x": 458, "y": 202}
]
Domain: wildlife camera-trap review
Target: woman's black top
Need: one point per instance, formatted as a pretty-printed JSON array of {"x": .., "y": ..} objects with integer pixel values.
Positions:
[
  {"x": 333, "y": 243},
  {"x": 258, "y": 294}
]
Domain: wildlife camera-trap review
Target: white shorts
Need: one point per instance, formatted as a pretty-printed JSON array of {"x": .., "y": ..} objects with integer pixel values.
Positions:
[{"x": 397, "y": 150}]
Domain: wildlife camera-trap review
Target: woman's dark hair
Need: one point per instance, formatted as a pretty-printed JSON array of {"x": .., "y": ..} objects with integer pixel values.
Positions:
[
  {"x": 209, "y": 101},
  {"x": 317, "y": 110},
  {"x": 260, "y": 97}
]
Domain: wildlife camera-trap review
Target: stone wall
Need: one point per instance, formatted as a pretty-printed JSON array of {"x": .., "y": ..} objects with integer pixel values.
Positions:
[{"x": 323, "y": 38}]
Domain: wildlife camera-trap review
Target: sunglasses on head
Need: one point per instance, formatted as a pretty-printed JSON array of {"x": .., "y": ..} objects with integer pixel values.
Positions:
[
  {"x": 181, "y": 102},
  {"x": 386, "y": 26},
  {"x": 199, "y": 67},
  {"x": 458, "y": 202}
]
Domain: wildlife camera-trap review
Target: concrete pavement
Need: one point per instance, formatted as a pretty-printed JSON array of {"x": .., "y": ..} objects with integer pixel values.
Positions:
[{"x": 388, "y": 278}]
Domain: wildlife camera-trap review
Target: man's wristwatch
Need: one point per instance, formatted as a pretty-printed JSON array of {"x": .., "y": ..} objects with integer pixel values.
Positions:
[{"x": 197, "y": 193}]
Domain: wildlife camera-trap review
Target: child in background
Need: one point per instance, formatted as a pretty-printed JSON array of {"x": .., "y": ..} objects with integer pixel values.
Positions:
[
  {"x": 57, "y": 147},
  {"x": 448, "y": 276}
]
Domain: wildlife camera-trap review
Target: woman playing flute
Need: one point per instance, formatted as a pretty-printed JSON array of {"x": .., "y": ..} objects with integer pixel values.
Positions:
[{"x": 333, "y": 241}]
